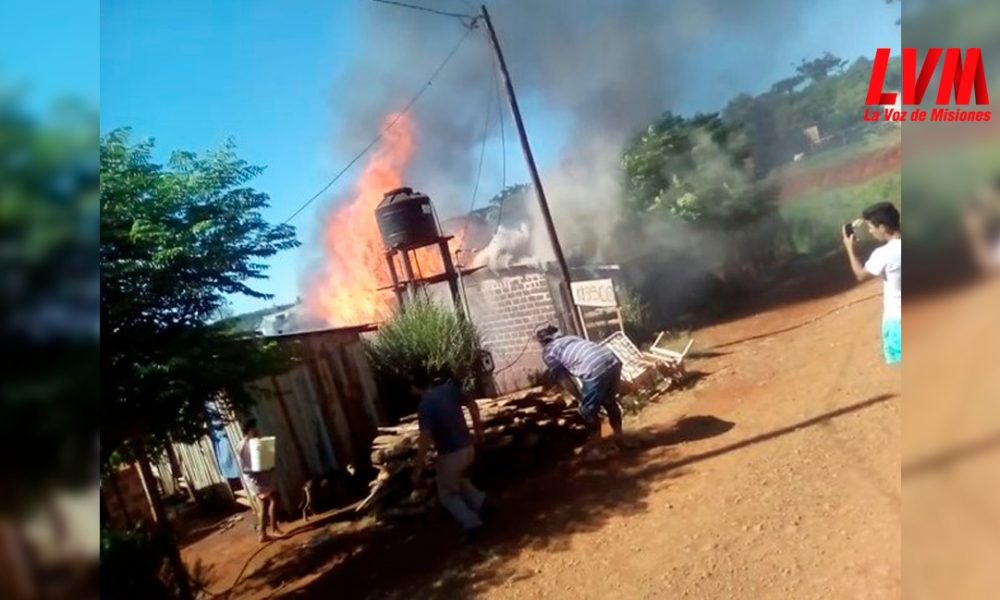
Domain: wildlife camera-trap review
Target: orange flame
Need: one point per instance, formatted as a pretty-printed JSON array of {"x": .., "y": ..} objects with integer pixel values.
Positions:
[{"x": 352, "y": 288}]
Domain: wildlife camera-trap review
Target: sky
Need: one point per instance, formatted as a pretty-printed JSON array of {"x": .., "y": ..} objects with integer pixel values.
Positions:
[
  {"x": 192, "y": 74},
  {"x": 51, "y": 50}
]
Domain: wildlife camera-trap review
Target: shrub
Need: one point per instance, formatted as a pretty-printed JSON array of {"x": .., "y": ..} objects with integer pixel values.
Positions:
[
  {"x": 635, "y": 314},
  {"x": 427, "y": 335}
]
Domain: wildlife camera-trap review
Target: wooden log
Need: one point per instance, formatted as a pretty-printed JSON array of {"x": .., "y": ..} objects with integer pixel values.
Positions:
[
  {"x": 387, "y": 440},
  {"x": 535, "y": 391}
]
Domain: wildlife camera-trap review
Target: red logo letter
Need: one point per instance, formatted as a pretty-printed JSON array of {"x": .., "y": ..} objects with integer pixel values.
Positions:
[
  {"x": 875, "y": 94},
  {"x": 914, "y": 87},
  {"x": 961, "y": 79}
]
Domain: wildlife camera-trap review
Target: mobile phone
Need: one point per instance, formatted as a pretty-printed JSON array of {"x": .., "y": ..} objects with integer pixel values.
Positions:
[{"x": 849, "y": 230}]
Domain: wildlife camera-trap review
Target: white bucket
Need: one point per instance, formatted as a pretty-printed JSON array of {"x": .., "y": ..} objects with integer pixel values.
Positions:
[{"x": 261, "y": 454}]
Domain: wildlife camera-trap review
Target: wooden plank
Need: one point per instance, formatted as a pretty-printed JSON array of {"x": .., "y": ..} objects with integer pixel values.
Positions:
[{"x": 300, "y": 453}]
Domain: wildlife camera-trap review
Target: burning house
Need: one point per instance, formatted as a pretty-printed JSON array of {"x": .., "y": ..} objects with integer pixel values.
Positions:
[{"x": 384, "y": 243}]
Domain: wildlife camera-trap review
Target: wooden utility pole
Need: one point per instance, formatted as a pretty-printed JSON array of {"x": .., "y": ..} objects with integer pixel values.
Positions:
[{"x": 535, "y": 179}]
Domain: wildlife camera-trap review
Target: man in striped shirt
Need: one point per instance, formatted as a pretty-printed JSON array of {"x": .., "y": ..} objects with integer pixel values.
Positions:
[{"x": 598, "y": 369}]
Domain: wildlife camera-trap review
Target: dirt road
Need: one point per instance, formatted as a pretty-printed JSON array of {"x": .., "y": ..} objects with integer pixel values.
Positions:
[{"x": 776, "y": 476}]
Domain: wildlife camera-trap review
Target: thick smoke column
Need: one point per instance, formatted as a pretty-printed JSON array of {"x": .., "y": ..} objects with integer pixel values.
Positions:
[{"x": 608, "y": 67}]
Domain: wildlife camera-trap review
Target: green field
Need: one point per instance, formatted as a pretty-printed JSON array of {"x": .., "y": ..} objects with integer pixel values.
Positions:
[
  {"x": 877, "y": 140},
  {"x": 815, "y": 221}
]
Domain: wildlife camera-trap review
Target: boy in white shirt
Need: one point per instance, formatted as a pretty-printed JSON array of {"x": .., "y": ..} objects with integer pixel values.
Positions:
[{"x": 884, "y": 263}]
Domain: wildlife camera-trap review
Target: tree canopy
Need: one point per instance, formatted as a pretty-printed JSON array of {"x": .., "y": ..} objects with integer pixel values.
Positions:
[
  {"x": 175, "y": 240},
  {"x": 694, "y": 169},
  {"x": 826, "y": 92},
  {"x": 48, "y": 300}
]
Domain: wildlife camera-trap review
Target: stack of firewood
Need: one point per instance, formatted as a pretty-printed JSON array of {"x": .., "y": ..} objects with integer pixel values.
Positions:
[{"x": 511, "y": 424}]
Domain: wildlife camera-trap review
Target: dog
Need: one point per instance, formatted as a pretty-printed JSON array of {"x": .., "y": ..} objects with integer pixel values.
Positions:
[
  {"x": 321, "y": 491},
  {"x": 312, "y": 489}
]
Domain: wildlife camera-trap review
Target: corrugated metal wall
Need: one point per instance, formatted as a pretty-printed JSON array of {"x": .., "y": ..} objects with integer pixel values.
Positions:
[
  {"x": 323, "y": 413},
  {"x": 198, "y": 463},
  {"x": 168, "y": 483}
]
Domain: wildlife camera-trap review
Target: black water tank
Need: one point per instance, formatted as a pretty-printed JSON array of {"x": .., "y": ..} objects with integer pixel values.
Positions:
[{"x": 406, "y": 220}]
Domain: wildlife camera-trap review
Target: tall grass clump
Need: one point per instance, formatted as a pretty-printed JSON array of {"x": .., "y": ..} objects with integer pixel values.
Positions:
[{"x": 424, "y": 335}]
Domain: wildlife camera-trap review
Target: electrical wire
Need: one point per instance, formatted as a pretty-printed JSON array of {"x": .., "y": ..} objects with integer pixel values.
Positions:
[
  {"x": 385, "y": 129},
  {"x": 426, "y": 9},
  {"x": 479, "y": 170},
  {"x": 482, "y": 152},
  {"x": 517, "y": 359},
  {"x": 524, "y": 348}
]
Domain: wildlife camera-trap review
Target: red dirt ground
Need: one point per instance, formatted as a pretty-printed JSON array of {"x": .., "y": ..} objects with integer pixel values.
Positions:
[
  {"x": 776, "y": 476},
  {"x": 853, "y": 172}
]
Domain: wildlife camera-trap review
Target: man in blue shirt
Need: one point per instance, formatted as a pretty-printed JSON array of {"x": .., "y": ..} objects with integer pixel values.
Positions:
[
  {"x": 442, "y": 423},
  {"x": 597, "y": 368}
]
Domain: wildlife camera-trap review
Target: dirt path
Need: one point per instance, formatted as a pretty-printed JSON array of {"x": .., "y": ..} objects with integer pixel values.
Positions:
[{"x": 776, "y": 476}]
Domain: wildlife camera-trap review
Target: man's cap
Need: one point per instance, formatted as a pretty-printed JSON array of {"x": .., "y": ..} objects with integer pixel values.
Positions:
[{"x": 546, "y": 333}]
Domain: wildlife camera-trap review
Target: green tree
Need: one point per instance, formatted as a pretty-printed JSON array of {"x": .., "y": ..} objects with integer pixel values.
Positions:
[
  {"x": 788, "y": 85},
  {"x": 820, "y": 68},
  {"x": 510, "y": 205},
  {"x": 695, "y": 169},
  {"x": 775, "y": 120},
  {"x": 48, "y": 301},
  {"x": 175, "y": 240}
]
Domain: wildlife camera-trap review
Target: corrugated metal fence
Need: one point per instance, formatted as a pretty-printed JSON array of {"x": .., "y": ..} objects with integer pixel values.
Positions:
[{"x": 323, "y": 413}]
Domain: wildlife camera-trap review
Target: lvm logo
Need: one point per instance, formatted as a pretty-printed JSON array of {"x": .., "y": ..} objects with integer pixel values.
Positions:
[{"x": 961, "y": 78}]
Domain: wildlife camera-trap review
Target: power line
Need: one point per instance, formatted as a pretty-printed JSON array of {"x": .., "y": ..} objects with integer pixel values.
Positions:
[
  {"x": 385, "y": 129},
  {"x": 426, "y": 9},
  {"x": 482, "y": 155},
  {"x": 482, "y": 151}
]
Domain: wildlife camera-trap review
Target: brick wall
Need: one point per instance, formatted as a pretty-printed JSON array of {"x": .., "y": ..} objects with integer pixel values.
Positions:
[
  {"x": 136, "y": 507},
  {"x": 508, "y": 309}
]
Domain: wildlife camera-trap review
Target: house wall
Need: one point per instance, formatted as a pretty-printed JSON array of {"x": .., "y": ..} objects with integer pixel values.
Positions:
[
  {"x": 508, "y": 308},
  {"x": 124, "y": 499}
]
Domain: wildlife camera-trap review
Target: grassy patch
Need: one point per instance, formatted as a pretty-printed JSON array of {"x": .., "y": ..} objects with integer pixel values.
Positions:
[
  {"x": 878, "y": 140},
  {"x": 814, "y": 221}
]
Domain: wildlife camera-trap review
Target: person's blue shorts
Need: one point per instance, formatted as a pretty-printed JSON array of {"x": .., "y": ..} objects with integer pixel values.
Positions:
[
  {"x": 600, "y": 391},
  {"x": 892, "y": 341}
]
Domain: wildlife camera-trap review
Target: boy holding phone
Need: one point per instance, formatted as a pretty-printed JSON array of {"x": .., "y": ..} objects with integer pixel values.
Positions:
[{"x": 885, "y": 263}]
